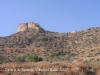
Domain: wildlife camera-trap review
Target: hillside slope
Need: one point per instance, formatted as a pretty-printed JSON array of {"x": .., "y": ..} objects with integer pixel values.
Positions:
[{"x": 82, "y": 45}]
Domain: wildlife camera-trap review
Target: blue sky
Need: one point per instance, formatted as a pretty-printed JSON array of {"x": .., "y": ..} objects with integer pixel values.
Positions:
[{"x": 53, "y": 15}]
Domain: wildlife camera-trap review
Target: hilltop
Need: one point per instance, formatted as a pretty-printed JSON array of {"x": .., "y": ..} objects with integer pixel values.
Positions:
[{"x": 81, "y": 45}]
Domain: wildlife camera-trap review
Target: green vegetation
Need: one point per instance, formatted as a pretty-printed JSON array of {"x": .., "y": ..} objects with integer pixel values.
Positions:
[
  {"x": 3, "y": 60},
  {"x": 19, "y": 59},
  {"x": 33, "y": 58},
  {"x": 29, "y": 58},
  {"x": 69, "y": 58}
]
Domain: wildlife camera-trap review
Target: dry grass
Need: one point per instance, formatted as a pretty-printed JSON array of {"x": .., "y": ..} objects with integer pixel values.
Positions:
[{"x": 49, "y": 68}]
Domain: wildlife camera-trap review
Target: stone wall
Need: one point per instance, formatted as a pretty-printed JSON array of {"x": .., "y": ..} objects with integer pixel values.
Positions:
[{"x": 27, "y": 26}]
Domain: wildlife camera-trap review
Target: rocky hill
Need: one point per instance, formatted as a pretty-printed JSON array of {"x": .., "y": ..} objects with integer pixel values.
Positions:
[{"x": 81, "y": 45}]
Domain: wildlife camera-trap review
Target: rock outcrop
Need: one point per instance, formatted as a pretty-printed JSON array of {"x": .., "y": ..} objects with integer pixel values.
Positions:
[{"x": 29, "y": 26}]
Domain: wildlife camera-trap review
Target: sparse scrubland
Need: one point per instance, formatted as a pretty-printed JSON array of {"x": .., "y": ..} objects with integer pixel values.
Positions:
[
  {"x": 55, "y": 53},
  {"x": 82, "y": 45},
  {"x": 49, "y": 68}
]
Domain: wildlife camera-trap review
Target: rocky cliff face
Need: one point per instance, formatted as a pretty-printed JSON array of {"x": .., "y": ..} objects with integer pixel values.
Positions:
[{"x": 28, "y": 26}]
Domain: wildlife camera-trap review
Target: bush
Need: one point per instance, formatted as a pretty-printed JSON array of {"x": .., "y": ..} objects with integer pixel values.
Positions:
[
  {"x": 3, "y": 60},
  {"x": 69, "y": 58},
  {"x": 29, "y": 58},
  {"x": 20, "y": 59},
  {"x": 33, "y": 58}
]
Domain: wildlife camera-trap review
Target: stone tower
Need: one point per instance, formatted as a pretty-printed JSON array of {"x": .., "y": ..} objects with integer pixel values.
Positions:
[{"x": 28, "y": 26}]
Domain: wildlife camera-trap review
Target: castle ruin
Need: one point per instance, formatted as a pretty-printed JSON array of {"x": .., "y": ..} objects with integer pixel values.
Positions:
[{"x": 28, "y": 26}]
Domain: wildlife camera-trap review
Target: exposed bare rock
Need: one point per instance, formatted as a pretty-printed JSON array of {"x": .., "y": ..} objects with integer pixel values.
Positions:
[{"x": 29, "y": 26}]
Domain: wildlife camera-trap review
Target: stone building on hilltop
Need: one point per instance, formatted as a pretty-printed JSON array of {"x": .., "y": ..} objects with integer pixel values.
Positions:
[{"x": 28, "y": 26}]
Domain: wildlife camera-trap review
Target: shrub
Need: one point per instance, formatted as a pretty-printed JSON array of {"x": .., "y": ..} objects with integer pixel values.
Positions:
[
  {"x": 19, "y": 59},
  {"x": 3, "y": 60},
  {"x": 69, "y": 58},
  {"x": 33, "y": 58}
]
